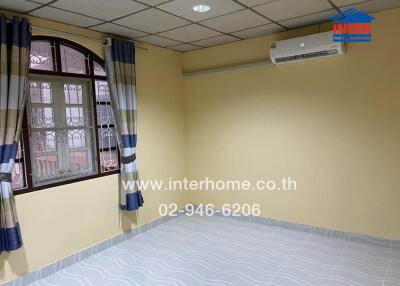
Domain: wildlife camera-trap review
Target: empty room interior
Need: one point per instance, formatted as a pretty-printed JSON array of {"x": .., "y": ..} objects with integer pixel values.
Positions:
[{"x": 200, "y": 142}]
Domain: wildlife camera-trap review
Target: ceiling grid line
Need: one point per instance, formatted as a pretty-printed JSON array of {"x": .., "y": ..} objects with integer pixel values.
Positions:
[
  {"x": 42, "y": 6},
  {"x": 121, "y": 17},
  {"x": 333, "y": 5},
  {"x": 192, "y": 22},
  {"x": 260, "y": 14}
]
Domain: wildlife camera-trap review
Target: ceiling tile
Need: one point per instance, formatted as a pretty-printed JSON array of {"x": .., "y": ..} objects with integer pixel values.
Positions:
[
  {"x": 252, "y": 3},
  {"x": 218, "y": 40},
  {"x": 103, "y": 9},
  {"x": 152, "y": 21},
  {"x": 236, "y": 21},
  {"x": 184, "y": 8},
  {"x": 316, "y": 18},
  {"x": 190, "y": 33},
  {"x": 341, "y": 3},
  {"x": 286, "y": 9},
  {"x": 184, "y": 47},
  {"x": 159, "y": 41},
  {"x": 65, "y": 17},
  {"x": 18, "y": 5},
  {"x": 259, "y": 31},
  {"x": 113, "y": 29},
  {"x": 152, "y": 2},
  {"x": 375, "y": 5}
]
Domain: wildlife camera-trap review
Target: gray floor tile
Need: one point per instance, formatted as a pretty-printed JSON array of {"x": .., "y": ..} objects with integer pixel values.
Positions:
[{"x": 218, "y": 251}]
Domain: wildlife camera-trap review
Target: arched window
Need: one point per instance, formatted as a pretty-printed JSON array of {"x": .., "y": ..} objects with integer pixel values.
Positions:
[{"x": 68, "y": 132}]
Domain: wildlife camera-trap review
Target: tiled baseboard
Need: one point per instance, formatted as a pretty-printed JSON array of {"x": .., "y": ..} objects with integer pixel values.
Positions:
[
  {"x": 67, "y": 261},
  {"x": 394, "y": 244}
]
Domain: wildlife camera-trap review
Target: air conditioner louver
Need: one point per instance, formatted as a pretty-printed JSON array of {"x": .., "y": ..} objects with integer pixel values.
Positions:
[
  {"x": 305, "y": 48},
  {"x": 306, "y": 56}
]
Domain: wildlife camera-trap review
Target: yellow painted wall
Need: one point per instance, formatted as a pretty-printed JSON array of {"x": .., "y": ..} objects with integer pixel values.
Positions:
[
  {"x": 60, "y": 221},
  {"x": 332, "y": 124}
]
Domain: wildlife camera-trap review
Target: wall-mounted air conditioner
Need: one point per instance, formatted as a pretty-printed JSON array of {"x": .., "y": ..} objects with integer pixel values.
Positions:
[{"x": 304, "y": 48}]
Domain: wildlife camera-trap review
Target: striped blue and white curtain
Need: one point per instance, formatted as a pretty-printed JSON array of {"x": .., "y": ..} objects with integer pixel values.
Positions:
[
  {"x": 120, "y": 67},
  {"x": 14, "y": 64}
]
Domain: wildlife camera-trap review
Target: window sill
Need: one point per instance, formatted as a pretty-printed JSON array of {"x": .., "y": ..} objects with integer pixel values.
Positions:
[{"x": 58, "y": 184}]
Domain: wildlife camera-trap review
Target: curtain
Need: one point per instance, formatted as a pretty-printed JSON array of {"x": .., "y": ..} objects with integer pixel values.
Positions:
[
  {"x": 14, "y": 64},
  {"x": 120, "y": 67}
]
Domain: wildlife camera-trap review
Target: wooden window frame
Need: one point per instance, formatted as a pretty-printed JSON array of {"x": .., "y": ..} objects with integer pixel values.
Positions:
[{"x": 92, "y": 57}]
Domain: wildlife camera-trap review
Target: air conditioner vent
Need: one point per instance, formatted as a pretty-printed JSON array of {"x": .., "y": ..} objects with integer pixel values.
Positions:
[{"x": 306, "y": 56}]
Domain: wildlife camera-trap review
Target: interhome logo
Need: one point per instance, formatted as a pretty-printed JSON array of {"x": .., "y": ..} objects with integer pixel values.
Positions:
[{"x": 352, "y": 26}]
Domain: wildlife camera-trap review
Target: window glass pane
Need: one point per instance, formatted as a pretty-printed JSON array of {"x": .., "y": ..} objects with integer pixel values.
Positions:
[
  {"x": 44, "y": 149},
  {"x": 41, "y": 57},
  {"x": 46, "y": 167},
  {"x": 73, "y": 93},
  {"x": 74, "y": 111},
  {"x": 98, "y": 69},
  {"x": 19, "y": 151},
  {"x": 44, "y": 141},
  {"x": 79, "y": 161},
  {"x": 40, "y": 92},
  {"x": 77, "y": 138},
  {"x": 102, "y": 91},
  {"x": 75, "y": 116},
  {"x": 109, "y": 160},
  {"x": 80, "y": 155},
  {"x": 18, "y": 176},
  {"x": 72, "y": 61},
  {"x": 41, "y": 99},
  {"x": 107, "y": 138},
  {"x": 42, "y": 117},
  {"x": 18, "y": 172},
  {"x": 104, "y": 114}
]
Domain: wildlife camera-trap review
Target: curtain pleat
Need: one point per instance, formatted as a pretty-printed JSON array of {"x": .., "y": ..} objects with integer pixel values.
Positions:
[
  {"x": 14, "y": 64},
  {"x": 120, "y": 67}
]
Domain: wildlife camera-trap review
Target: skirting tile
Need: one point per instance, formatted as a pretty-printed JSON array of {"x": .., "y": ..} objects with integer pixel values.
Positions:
[
  {"x": 369, "y": 239},
  {"x": 330, "y": 233},
  {"x": 295, "y": 226},
  {"x": 394, "y": 244}
]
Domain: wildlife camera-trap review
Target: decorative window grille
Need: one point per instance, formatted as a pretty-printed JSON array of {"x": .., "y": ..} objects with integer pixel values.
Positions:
[
  {"x": 42, "y": 55},
  {"x": 73, "y": 61},
  {"x": 98, "y": 69},
  {"x": 69, "y": 130},
  {"x": 61, "y": 129},
  {"x": 106, "y": 131}
]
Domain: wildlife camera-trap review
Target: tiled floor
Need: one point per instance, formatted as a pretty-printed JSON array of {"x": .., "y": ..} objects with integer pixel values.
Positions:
[{"x": 222, "y": 251}]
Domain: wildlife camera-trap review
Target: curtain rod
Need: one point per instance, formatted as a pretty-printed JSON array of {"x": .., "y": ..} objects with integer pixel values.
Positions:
[{"x": 103, "y": 40}]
